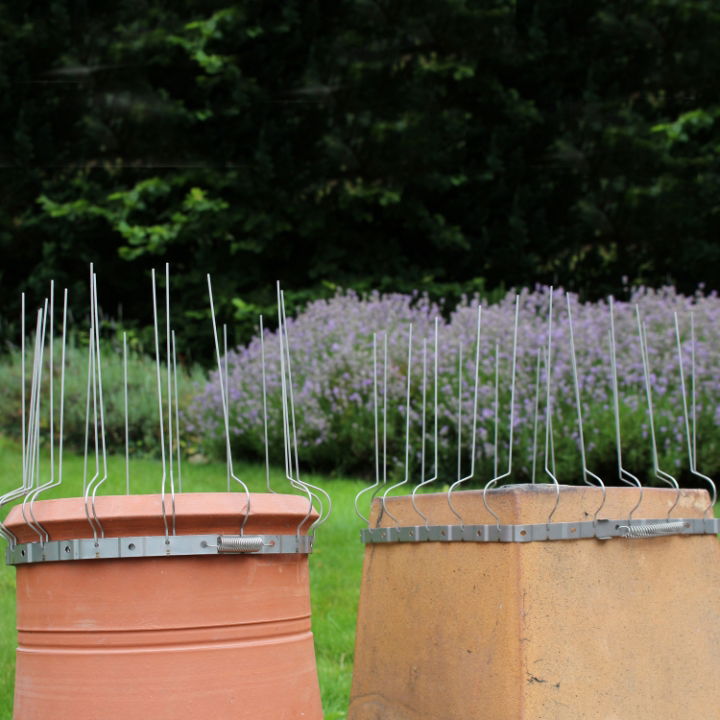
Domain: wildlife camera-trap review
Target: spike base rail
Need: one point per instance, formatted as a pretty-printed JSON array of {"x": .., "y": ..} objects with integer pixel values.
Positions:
[
  {"x": 603, "y": 529},
  {"x": 156, "y": 546}
]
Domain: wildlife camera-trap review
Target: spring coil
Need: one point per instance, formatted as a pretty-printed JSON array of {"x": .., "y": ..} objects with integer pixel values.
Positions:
[
  {"x": 239, "y": 543},
  {"x": 653, "y": 529}
]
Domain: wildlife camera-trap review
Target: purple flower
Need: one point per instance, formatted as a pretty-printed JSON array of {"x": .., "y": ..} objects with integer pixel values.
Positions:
[{"x": 333, "y": 381}]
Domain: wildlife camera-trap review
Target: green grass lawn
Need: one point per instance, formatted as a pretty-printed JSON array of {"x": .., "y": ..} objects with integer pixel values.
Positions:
[{"x": 335, "y": 564}]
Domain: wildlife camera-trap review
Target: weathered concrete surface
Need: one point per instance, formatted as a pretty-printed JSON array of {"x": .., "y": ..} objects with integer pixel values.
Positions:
[{"x": 598, "y": 630}]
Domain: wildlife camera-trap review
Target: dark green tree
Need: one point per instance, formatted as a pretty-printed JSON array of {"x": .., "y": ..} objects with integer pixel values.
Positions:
[{"x": 444, "y": 147}]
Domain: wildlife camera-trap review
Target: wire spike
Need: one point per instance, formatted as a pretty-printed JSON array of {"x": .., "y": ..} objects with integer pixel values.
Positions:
[
  {"x": 160, "y": 405},
  {"x": 435, "y": 431},
  {"x": 226, "y": 416},
  {"x": 494, "y": 481},
  {"x": 624, "y": 475},
  {"x": 688, "y": 432},
  {"x": 321, "y": 495},
  {"x": 265, "y": 411},
  {"x": 536, "y": 415},
  {"x": 407, "y": 431},
  {"x": 371, "y": 488},
  {"x": 660, "y": 474},
  {"x": 473, "y": 441},
  {"x": 177, "y": 414},
  {"x": 168, "y": 363},
  {"x": 125, "y": 398},
  {"x": 587, "y": 474},
  {"x": 287, "y": 408}
]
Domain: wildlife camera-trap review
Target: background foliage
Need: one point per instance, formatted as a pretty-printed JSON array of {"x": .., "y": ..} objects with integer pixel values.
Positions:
[
  {"x": 444, "y": 147},
  {"x": 336, "y": 379},
  {"x": 143, "y": 432}
]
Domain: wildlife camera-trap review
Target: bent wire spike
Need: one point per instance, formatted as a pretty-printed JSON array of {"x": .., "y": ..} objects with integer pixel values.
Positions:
[
  {"x": 473, "y": 439},
  {"x": 406, "y": 476},
  {"x": 292, "y": 467},
  {"x": 425, "y": 482},
  {"x": 624, "y": 475},
  {"x": 497, "y": 478},
  {"x": 222, "y": 378},
  {"x": 598, "y": 527},
  {"x": 371, "y": 488},
  {"x": 95, "y": 461},
  {"x": 660, "y": 474},
  {"x": 587, "y": 475},
  {"x": 691, "y": 435}
]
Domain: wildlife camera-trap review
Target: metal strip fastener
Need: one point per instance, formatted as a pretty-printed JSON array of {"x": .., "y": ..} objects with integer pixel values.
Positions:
[
  {"x": 157, "y": 546},
  {"x": 603, "y": 529}
]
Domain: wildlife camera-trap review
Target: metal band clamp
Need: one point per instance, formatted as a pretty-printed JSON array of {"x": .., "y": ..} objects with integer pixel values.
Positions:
[
  {"x": 157, "y": 546},
  {"x": 587, "y": 529}
]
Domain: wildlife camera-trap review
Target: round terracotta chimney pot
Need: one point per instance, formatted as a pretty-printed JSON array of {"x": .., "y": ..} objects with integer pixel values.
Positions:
[{"x": 211, "y": 637}]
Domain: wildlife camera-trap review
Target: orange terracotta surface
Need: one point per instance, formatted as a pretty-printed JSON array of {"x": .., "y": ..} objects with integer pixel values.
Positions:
[
  {"x": 562, "y": 630},
  {"x": 165, "y": 638}
]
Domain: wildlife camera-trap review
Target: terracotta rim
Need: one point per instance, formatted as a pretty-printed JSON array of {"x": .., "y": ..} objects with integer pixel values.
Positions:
[{"x": 195, "y": 513}]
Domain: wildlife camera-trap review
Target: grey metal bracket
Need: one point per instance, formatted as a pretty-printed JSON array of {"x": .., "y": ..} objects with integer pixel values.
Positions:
[
  {"x": 603, "y": 529},
  {"x": 157, "y": 546}
]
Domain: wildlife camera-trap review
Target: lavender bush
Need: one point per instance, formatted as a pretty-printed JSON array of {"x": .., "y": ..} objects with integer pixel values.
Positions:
[
  {"x": 331, "y": 347},
  {"x": 143, "y": 417}
]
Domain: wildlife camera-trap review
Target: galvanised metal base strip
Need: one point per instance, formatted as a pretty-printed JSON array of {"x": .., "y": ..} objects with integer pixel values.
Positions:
[
  {"x": 602, "y": 530},
  {"x": 157, "y": 546}
]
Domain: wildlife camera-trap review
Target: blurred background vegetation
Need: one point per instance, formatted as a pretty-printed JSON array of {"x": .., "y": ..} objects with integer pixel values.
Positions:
[
  {"x": 443, "y": 147},
  {"x": 447, "y": 148}
]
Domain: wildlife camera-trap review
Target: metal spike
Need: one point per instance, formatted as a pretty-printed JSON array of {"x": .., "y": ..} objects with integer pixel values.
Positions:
[
  {"x": 384, "y": 430},
  {"x": 295, "y": 483},
  {"x": 101, "y": 406},
  {"x": 473, "y": 441},
  {"x": 265, "y": 411},
  {"x": 91, "y": 393},
  {"x": 459, "y": 411},
  {"x": 536, "y": 415},
  {"x": 496, "y": 406},
  {"x": 372, "y": 488},
  {"x": 624, "y": 475},
  {"x": 160, "y": 405},
  {"x": 434, "y": 476},
  {"x": 91, "y": 517},
  {"x": 587, "y": 474},
  {"x": 177, "y": 414},
  {"x": 29, "y": 500},
  {"x": 126, "y": 407},
  {"x": 168, "y": 363},
  {"x": 33, "y": 434},
  {"x": 549, "y": 437},
  {"x": 226, "y": 393},
  {"x": 226, "y": 416},
  {"x": 55, "y": 481},
  {"x": 87, "y": 410},
  {"x": 406, "y": 477},
  {"x": 660, "y": 474},
  {"x": 319, "y": 493},
  {"x": 688, "y": 433},
  {"x": 494, "y": 481}
]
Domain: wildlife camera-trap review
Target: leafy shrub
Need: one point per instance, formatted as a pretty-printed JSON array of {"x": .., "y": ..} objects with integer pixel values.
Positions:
[
  {"x": 142, "y": 396},
  {"x": 331, "y": 348}
]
